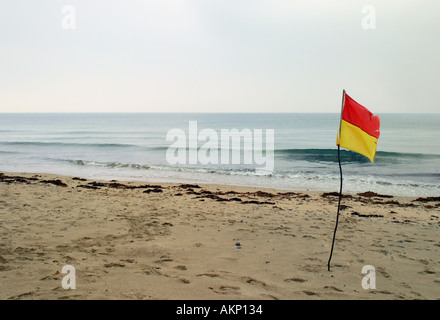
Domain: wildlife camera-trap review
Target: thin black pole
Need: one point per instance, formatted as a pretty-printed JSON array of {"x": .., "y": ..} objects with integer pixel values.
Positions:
[
  {"x": 339, "y": 206},
  {"x": 340, "y": 172}
]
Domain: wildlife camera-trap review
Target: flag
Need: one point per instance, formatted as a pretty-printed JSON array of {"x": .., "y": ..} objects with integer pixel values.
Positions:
[
  {"x": 358, "y": 132},
  {"x": 359, "y": 128}
]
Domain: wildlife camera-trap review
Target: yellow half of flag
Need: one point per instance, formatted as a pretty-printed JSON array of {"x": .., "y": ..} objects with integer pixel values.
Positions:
[{"x": 357, "y": 140}]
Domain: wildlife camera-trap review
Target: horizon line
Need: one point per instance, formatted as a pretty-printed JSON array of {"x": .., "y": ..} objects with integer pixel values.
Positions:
[{"x": 191, "y": 112}]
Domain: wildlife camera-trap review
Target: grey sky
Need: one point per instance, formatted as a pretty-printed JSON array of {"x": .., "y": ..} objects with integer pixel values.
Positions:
[{"x": 218, "y": 56}]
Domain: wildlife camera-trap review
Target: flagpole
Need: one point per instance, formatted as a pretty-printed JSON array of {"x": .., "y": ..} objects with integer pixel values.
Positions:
[{"x": 340, "y": 189}]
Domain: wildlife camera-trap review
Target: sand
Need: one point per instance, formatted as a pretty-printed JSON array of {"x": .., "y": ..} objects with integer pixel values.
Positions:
[{"x": 132, "y": 240}]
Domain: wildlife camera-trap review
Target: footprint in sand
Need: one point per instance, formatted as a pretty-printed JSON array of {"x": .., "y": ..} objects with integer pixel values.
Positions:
[
  {"x": 210, "y": 275},
  {"x": 333, "y": 288},
  {"x": 295, "y": 280},
  {"x": 226, "y": 290},
  {"x": 183, "y": 268},
  {"x": 269, "y": 296},
  {"x": 427, "y": 271},
  {"x": 183, "y": 280},
  {"x": 255, "y": 282},
  {"x": 383, "y": 273},
  {"x": 162, "y": 260},
  {"x": 310, "y": 293},
  {"x": 114, "y": 264}
]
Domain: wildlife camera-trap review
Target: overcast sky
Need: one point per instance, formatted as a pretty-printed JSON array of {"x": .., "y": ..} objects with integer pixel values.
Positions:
[{"x": 218, "y": 55}]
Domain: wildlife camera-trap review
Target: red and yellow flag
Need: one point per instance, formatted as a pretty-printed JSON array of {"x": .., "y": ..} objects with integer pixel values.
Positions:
[{"x": 359, "y": 128}]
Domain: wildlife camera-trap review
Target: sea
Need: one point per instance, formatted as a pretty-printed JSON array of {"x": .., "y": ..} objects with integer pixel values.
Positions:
[{"x": 136, "y": 147}]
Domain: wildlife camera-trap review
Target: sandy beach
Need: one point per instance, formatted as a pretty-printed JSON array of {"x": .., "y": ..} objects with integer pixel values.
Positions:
[{"x": 133, "y": 240}]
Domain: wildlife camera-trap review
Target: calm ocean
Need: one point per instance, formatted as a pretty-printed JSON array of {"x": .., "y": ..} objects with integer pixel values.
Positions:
[{"x": 133, "y": 147}]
